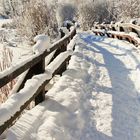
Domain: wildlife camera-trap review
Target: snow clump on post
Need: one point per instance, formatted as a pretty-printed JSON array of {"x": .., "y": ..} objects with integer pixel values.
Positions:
[{"x": 42, "y": 43}]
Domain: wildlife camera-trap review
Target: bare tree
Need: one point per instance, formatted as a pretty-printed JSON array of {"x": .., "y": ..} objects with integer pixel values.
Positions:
[{"x": 12, "y": 7}]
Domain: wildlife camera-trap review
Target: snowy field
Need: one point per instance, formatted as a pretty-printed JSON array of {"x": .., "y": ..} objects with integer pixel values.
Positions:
[
  {"x": 19, "y": 53},
  {"x": 10, "y": 39},
  {"x": 97, "y": 98}
]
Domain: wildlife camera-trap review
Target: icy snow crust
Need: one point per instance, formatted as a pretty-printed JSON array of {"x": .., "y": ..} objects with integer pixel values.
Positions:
[{"x": 98, "y": 97}]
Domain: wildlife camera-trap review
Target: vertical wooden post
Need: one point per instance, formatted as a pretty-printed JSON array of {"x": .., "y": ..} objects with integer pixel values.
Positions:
[
  {"x": 40, "y": 68},
  {"x": 37, "y": 69}
]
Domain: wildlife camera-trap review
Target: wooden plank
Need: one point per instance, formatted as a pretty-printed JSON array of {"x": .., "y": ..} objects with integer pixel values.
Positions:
[{"x": 38, "y": 69}]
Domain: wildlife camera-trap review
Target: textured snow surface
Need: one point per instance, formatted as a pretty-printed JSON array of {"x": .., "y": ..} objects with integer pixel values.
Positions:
[{"x": 97, "y": 98}]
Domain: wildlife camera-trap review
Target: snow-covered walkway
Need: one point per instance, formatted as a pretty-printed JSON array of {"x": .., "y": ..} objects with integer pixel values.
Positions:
[{"x": 97, "y": 98}]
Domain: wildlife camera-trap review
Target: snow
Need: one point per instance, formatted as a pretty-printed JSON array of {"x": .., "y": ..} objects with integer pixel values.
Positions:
[
  {"x": 19, "y": 82},
  {"x": 129, "y": 26},
  {"x": 98, "y": 97},
  {"x": 22, "y": 76},
  {"x": 58, "y": 61},
  {"x": 62, "y": 56},
  {"x": 42, "y": 43},
  {"x": 71, "y": 45},
  {"x": 4, "y": 21},
  {"x": 65, "y": 30},
  {"x": 100, "y": 30},
  {"x": 133, "y": 34}
]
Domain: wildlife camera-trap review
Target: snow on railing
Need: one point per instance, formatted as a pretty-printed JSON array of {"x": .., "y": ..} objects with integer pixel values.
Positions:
[
  {"x": 125, "y": 31},
  {"x": 36, "y": 76}
]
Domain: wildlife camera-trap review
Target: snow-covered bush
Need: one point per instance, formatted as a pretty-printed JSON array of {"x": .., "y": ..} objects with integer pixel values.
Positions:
[
  {"x": 12, "y": 7},
  {"x": 93, "y": 11},
  {"x": 37, "y": 18},
  {"x": 86, "y": 16},
  {"x": 128, "y": 9},
  {"x": 65, "y": 12}
]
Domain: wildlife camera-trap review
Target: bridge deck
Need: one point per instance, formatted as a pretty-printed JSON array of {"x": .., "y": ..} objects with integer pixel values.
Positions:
[{"x": 98, "y": 97}]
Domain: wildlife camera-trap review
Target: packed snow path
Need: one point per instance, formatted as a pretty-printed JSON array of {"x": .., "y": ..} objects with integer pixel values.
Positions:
[{"x": 97, "y": 98}]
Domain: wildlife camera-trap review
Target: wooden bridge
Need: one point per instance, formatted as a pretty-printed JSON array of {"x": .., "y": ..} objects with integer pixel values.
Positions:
[{"x": 35, "y": 66}]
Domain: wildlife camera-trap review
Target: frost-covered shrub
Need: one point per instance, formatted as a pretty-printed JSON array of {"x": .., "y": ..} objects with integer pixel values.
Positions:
[
  {"x": 93, "y": 11},
  {"x": 65, "y": 11},
  {"x": 5, "y": 62},
  {"x": 37, "y": 18},
  {"x": 12, "y": 8},
  {"x": 128, "y": 9},
  {"x": 86, "y": 16}
]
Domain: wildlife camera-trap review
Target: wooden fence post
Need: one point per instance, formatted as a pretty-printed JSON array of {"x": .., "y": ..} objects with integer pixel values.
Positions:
[{"x": 38, "y": 69}]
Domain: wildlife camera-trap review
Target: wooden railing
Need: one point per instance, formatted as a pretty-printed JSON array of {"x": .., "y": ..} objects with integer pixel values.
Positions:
[
  {"x": 125, "y": 31},
  {"x": 35, "y": 65}
]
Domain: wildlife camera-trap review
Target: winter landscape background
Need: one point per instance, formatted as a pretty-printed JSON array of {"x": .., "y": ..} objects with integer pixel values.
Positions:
[{"x": 98, "y": 96}]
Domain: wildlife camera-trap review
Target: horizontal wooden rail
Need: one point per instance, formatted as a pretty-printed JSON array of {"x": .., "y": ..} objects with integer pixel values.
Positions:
[
  {"x": 119, "y": 35},
  {"x": 122, "y": 27}
]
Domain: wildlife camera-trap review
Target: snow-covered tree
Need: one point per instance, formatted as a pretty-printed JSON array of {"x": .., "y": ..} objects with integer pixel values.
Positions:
[
  {"x": 12, "y": 7},
  {"x": 128, "y": 9}
]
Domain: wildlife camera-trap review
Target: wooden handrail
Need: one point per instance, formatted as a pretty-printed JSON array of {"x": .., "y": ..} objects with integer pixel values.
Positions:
[
  {"x": 11, "y": 74},
  {"x": 35, "y": 66},
  {"x": 122, "y": 31},
  {"x": 124, "y": 27},
  {"x": 119, "y": 35}
]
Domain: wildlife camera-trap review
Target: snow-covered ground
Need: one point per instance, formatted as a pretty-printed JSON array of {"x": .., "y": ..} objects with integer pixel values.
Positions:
[
  {"x": 97, "y": 98},
  {"x": 9, "y": 38},
  {"x": 4, "y": 21}
]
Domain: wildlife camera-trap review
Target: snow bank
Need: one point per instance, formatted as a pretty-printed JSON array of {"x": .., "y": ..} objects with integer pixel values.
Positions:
[{"x": 29, "y": 121}]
